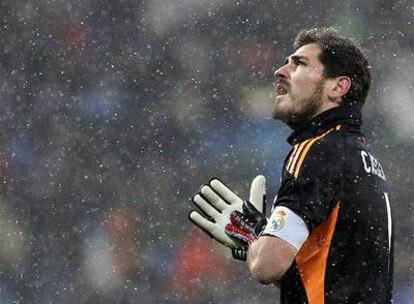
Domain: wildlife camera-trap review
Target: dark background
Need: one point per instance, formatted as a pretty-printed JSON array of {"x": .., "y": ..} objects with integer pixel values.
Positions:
[{"x": 113, "y": 113}]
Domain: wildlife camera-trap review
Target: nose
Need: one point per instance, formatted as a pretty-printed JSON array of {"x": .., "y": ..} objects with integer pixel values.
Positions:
[{"x": 282, "y": 72}]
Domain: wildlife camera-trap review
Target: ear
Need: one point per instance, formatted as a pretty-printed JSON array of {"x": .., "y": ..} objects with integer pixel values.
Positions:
[{"x": 340, "y": 86}]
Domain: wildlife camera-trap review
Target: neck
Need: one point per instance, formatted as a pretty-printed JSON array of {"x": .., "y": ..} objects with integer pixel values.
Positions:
[
  {"x": 325, "y": 106},
  {"x": 346, "y": 115}
]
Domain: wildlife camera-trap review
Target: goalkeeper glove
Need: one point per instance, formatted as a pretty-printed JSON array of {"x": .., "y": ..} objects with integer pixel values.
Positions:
[
  {"x": 217, "y": 202},
  {"x": 246, "y": 227}
]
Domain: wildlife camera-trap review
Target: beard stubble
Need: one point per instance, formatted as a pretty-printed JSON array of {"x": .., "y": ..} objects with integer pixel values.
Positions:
[{"x": 305, "y": 110}]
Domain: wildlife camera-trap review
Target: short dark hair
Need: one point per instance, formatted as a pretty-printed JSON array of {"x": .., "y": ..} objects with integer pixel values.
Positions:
[{"x": 341, "y": 57}]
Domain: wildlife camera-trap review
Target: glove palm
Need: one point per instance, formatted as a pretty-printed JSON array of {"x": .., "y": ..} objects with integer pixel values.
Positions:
[{"x": 218, "y": 202}]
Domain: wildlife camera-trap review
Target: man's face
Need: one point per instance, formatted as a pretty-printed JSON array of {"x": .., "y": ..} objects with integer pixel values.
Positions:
[{"x": 299, "y": 86}]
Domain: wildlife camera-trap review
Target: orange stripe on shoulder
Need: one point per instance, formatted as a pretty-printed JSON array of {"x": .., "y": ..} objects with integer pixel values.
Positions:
[
  {"x": 305, "y": 150},
  {"x": 295, "y": 155},
  {"x": 292, "y": 155}
]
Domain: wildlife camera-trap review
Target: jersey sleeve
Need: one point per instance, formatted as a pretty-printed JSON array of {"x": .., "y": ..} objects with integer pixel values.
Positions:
[{"x": 311, "y": 189}]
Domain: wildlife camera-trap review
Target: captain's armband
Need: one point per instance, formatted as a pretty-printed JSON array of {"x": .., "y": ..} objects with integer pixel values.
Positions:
[{"x": 287, "y": 225}]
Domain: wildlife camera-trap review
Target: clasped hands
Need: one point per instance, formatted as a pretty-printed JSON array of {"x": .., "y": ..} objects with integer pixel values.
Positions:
[{"x": 227, "y": 218}]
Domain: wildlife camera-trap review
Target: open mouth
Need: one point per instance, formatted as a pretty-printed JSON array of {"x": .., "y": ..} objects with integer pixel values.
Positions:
[{"x": 281, "y": 89}]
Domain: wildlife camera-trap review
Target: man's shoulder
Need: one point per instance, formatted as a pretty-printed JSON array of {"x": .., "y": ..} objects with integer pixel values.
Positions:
[
  {"x": 336, "y": 141},
  {"x": 338, "y": 148},
  {"x": 315, "y": 151}
]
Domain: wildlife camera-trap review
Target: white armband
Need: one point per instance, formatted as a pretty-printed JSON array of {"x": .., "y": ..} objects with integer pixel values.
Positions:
[{"x": 287, "y": 225}]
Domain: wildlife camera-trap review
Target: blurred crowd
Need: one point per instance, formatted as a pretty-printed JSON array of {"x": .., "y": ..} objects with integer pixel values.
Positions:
[{"x": 115, "y": 112}]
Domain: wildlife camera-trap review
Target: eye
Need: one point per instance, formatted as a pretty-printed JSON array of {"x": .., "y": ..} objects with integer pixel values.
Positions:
[{"x": 297, "y": 61}]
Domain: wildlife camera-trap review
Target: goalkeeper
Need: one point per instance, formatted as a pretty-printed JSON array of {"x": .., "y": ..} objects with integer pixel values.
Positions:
[{"x": 329, "y": 236}]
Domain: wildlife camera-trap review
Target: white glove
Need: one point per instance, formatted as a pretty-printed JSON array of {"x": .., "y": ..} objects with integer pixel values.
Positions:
[{"x": 217, "y": 202}]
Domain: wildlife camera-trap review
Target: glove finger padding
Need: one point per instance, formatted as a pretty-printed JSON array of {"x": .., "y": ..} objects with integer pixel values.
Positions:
[
  {"x": 201, "y": 222},
  {"x": 217, "y": 202},
  {"x": 213, "y": 229},
  {"x": 223, "y": 191},
  {"x": 213, "y": 198},
  {"x": 206, "y": 207},
  {"x": 258, "y": 193}
]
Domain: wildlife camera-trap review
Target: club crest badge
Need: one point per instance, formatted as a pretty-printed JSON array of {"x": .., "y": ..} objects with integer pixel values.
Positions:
[{"x": 277, "y": 221}]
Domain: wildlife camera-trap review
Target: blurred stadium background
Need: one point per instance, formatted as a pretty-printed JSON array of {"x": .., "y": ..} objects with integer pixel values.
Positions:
[{"x": 115, "y": 112}]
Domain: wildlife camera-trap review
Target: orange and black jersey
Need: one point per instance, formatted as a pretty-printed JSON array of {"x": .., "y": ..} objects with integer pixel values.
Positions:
[{"x": 335, "y": 184}]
